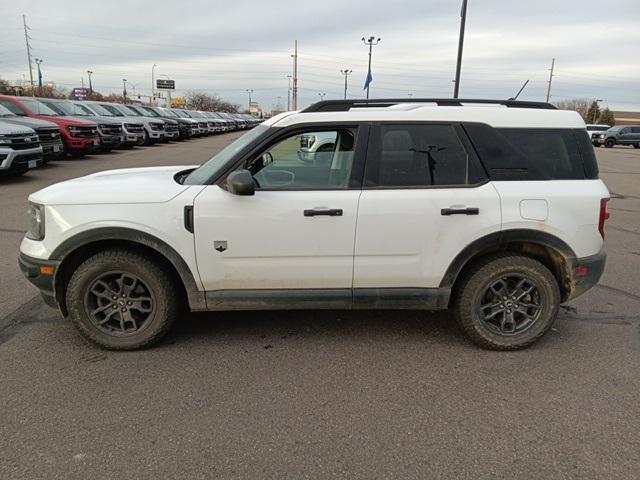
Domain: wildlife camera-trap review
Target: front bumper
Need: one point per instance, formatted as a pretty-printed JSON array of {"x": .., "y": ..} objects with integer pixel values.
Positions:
[
  {"x": 586, "y": 273},
  {"x": 15, "y": 161},
  {"x": 82, "y": 145},
  {"x": 110, "y": 141},
  {"x": 32, "y": 268}
]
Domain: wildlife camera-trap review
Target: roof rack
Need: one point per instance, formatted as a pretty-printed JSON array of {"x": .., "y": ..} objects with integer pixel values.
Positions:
[{"x": 345, "y": 105}]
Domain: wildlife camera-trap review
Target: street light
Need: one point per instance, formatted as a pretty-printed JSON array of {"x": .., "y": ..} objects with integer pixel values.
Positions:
[
  {"x": 346, "y": 72},
  {"x": 153, "y": 84},
  {"x": 371, "y": 41},
  {"x": 322, "y": 95},
  {"x": 38, "y": 62},
  {"x": 289, "y": 93},
  {"x": 463, "y": 21},
  {"x": 124, "y": 90},
  {"x": 598, "y": 100},
  {"x": 89, "y": 72},
  {"x": 249, "y": 91}
]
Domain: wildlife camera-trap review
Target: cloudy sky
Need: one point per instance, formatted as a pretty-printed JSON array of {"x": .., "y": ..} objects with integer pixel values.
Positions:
[{"x": 228, "y": 47}]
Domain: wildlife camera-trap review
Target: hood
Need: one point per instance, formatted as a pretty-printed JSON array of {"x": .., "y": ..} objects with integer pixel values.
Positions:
[
  {"x": 29, "y": 122},
  {"x": 124, "y": 186},
  {"x": 66, "y": 120},
  {"x": 13, "y": 129},
  {"x": 140, "y": 120},
  {"x": 99, "y": 119}
]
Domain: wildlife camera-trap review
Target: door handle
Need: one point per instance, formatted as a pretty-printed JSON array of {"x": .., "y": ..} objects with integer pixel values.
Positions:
[
  {"x": 331, "y": 212},
  {"x": 460, "y": 211}
]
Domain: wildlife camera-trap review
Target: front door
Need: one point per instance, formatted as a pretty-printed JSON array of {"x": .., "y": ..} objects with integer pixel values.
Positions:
[{"x": 297, "y": 232}]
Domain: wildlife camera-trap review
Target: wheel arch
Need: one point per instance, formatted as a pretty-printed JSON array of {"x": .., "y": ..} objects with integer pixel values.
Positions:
[
  {"x": 73, "y": 251},
  {"x": 550, "y": 250}
]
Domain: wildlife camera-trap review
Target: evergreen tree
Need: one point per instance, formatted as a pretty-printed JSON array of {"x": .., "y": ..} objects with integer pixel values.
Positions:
[
  {"x": 607, "y": 117},
  {"x": 593, "y": 114}
]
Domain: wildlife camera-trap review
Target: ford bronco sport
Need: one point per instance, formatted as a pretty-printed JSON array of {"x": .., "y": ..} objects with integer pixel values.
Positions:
[{"x": 490, "y": 208}]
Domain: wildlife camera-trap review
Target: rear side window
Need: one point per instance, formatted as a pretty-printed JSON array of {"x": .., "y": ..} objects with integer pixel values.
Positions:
[
  {"x": 533, "y": 153},
  {"x": 419, "y": 155}
]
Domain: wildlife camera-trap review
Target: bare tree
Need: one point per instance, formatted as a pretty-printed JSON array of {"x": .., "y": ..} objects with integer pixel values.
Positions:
[
  {"x": 580, "y": 105},
  {"x": 197, "y": 100}
]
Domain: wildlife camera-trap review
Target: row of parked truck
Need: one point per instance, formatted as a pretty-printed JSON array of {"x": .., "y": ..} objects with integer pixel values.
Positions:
[{"x": 36, "y": 130}]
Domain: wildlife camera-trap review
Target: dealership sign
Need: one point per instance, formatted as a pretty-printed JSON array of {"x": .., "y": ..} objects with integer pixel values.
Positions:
[
  {"x": 166, "y": 84},
  {"x": 80, "y": 92}
]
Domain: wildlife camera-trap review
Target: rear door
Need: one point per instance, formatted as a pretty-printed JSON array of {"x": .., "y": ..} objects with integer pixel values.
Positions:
[{"x": 425, "y": 197}]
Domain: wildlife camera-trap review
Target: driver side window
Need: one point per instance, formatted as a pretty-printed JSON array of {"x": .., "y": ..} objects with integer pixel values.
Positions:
[{"x": 310, "y": 160}]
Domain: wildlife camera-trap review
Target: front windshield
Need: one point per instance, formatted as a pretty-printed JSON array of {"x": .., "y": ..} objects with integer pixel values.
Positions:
[
  {"x": 55, "y": 107},
  {"x": 85, "y": 111},
  {"x": 150, "y": 112},
  {"x": 101, "y": 110},
  {"x": 5, "y": 112},
  {"x": 39, "y": 108},
  {"x": 114, "y": 111},
  {"x": 181, "y": 113},
  {"x": 130, "y": 110},
  {"x": 208, "y": 169}
]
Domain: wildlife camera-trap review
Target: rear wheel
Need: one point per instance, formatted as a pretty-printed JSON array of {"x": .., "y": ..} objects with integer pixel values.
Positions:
[
  {"x": 507, "y": 302},
  {"x": 609, "y": 143},
  {"x": 121, "y": 300}
]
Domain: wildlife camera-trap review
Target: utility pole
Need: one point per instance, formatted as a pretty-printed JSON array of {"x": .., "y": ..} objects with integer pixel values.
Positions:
[
  {"x": 371, "y": 41},
  {"x": 288, "y": 93},
  {"x": 463, "y": 21},
  {"x": 26, "y": 39},
  {"x": 553, "y": 64},
  {"x": 89, "y": 72},
  {"x": 295, "y": 76},
  {"x": 153, "y": 86},
  {"x": 249, "y": 91},
  {"x": 124, "y": 90},
  {"x": 346, "y": 72}
]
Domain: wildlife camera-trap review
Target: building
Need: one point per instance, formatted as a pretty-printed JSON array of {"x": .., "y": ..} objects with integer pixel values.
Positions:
[{"x": 627, "y": 118}]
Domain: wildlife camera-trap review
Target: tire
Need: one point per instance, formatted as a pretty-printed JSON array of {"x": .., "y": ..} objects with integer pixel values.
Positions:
[
  {"x": 146, "y": 304},
  {"x": 145, "y": 138},
  {"x": 636, "y": 145},
  {"x": 609, "y": 143},
  {"x": 529, "y": 323}
]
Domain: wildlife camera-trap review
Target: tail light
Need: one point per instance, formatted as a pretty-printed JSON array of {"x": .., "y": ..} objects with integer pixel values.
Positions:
[{"x": 604, "y": 215}]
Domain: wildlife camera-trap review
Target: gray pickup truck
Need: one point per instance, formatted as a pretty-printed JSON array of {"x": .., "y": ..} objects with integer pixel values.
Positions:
[{"x": 20, "y": 149}]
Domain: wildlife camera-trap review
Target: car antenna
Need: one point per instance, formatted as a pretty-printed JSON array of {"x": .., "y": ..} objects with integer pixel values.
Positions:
[{"x": 519, "y": 91}]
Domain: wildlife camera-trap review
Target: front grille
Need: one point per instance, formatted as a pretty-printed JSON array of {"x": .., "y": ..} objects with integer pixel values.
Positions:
[
  {"x": 48, "y": 136},
  {"x": 86, "y": 132},
  {"x": 110, "y": 129},
  {"x": 156, "y": 126},
  {"x": 203, "y": 124},
  {"x": 133, "y": 127},
  {"x": 22, "y": 142},
  {"x": 171, "y": 128}
]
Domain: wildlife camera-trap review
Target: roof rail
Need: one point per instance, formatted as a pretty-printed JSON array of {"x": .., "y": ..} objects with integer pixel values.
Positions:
[{"x": 345, "y": 105}]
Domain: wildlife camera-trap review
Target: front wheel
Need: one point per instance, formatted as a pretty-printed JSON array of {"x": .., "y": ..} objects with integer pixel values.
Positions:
[
  {"x": 636, "y": 145},
  {"x": 121, "y": 300},
  {"x": 610, "y": 143},
  {"x": 506, "y": 302}
]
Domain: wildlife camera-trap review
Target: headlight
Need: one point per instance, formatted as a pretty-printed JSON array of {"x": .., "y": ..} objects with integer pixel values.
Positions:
[
  {"x": 35, "y": 220},
  {"x": 307, "y": 141}
]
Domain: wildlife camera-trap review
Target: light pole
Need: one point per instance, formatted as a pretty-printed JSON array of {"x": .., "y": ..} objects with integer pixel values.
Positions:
[
  {"x": 597, "y": 112},
  {"x": 124, "y": 90},
  {"x": 289, "y": 93},
  {"x": 371, "y": 41},
  {"x": 463, "y": 21},
  {"x": 249, "y": 91},
  {"x": 346, "y": 72},
  {"x": 38, "y": 62},
  {"x": 322, "y": 95},
  {"x": 153, "y": 84},
  {"x": 89, "y": 72}
]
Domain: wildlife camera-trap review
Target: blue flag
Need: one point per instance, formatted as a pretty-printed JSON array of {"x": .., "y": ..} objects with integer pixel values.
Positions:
[{"x": 368, "y": 81}]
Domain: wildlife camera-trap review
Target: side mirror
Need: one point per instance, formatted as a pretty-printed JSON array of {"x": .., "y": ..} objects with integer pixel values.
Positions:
[{"x": 241, "y": 182}]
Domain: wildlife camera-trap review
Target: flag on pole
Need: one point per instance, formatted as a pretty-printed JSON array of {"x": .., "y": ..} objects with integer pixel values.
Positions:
[{"x": 368, "y": 81}]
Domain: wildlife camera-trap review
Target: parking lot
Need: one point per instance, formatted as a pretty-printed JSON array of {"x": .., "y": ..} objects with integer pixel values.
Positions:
[{"x": 321, "y": 394}]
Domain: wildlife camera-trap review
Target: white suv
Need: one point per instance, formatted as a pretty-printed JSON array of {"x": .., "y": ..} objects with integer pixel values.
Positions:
[{"x": 491, "y": 208}]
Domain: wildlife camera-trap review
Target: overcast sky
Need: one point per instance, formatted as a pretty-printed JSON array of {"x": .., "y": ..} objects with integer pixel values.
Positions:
[{"x": 228, "y": 47}]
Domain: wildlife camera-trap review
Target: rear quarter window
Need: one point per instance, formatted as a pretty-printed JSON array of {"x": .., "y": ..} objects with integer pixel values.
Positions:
[{"x": 534, "y": 153}]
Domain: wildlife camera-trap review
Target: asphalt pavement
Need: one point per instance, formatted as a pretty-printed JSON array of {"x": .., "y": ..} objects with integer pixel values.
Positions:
[{"x": 332, "y": 394}]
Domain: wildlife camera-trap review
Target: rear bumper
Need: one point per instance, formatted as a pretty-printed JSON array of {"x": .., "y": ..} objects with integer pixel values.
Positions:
[
  {"x": 31, "y": 268},
  {"x": 586, "y": 273}
]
